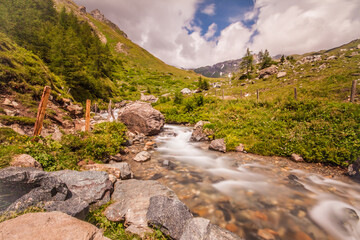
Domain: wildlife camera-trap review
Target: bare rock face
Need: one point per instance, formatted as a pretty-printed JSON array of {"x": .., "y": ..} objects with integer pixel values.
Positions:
[
  {"x": 131, "y": 203},
  {"x": 142, "y": 117},
  {"x": 281, "y": 74},
  {"x": 218, "y": 145},
  {"x": 268, "y": 71},
  {"x": 202, "y": 229},
  {"x": 25, "y": 160},
  {"x": 48, "y": 225},
  {"x": 200, "y": 134}
]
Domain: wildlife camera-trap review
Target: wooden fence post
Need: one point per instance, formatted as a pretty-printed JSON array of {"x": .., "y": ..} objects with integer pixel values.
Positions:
[
  {"x": 109, "y": 111},
  {"x": 295, "y": 94},
  {"x": 257, "y": 95},
  {"x": 215, "y": 92},
  {"x": 353, "y": 91},
  {"x": 87, "y": 115},
  {"x": 241, "y": 94},
  {"x": 41, "y": 111},
  {"x": 95, "y": 108},
  {"x": 223, "y": 94}
]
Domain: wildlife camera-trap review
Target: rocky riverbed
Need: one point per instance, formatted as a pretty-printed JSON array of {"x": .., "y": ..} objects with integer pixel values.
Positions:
[{"x": 253, "y": 196}]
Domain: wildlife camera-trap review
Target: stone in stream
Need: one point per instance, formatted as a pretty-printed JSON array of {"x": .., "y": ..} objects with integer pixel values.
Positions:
[
  {"x": 168, "y": 214},
  {"x": 48, "y": 225},
  {"x": 218, "y": 145},
  {"x": 131, "y": 203},
  {"x": 202, "y": 229},
  {"x": 142, "y": 157},
  {"x": 200, "y": 134},
  {"x": 25, "y": 160},
  {"x": 142, "y": 117},
  {"x": 32, "y": 187},
  {"x": 296, "y": 157},
  {"x": 354, "y": 169}
]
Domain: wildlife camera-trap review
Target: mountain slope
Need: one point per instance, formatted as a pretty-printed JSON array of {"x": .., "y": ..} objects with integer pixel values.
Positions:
[{"x": 222, "y": 69}]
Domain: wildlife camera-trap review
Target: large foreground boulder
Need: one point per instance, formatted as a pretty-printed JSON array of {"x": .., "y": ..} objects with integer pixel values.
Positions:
[
  {"x": 21, "y": 188},
  {"x": 142, "y": 117},
  {"x": 131, "y": 203},
  {"x": 200, "y": 134},
  {"x": 54, "y": 225},
  {"x": 169, "y": 215},
  {"x": 91, "y": 186}
]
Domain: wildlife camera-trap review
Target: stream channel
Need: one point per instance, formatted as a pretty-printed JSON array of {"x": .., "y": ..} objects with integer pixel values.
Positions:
[{"x": 253, "y": 196}]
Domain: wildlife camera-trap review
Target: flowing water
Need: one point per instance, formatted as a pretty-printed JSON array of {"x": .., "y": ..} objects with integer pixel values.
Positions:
[{"x": 254, "y": 197}]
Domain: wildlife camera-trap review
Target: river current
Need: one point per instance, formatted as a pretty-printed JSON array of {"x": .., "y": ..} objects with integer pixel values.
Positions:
[{"x": 253, "y": 197}]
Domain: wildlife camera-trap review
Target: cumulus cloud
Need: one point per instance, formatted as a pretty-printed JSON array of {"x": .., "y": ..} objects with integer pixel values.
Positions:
[
  {"x": 211, "y": 31},
  {"x": 209, "y": 10},
  {"x": 168, "y": 29}
]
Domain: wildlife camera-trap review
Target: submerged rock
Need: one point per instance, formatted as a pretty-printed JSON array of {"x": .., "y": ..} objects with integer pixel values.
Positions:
[
  {"x": 142, "y": 157},
  {"x": 202, "y": 229},
  {"x": 53, "y": 225},
  {"x": 142, "y": 117},
  {"x": 218, "y": 145}
]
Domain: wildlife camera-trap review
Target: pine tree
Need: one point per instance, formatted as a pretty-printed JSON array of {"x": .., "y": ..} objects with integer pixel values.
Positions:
[
  {"x": 247, "y": 63},
  {"x": 266, "y": 60}
]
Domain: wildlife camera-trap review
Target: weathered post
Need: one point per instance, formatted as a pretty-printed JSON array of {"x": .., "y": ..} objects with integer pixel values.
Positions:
[
  {"x": 95, "y": 108},
  {"x": 109, "y": 111},
  {"x": 353, "y": 91},
  {"x": 223, "y": 94},
  {"x": 215, "y": 92},
  {"x": 41, "y": 111},
  {"x": 241, "y": 94},
  {"x": 87, "y": 115},
  {"x": 257, "y": 95},
  {"x": 295, "y": 94}
]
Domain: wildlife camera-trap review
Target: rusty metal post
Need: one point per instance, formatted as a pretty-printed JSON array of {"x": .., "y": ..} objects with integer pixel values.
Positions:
[
  {"x": 87, "y": 115},
  {"x": 41, "y": 111}
]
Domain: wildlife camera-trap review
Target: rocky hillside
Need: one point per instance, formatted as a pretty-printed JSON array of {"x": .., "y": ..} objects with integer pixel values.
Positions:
[{"x": 223, "y": 69}]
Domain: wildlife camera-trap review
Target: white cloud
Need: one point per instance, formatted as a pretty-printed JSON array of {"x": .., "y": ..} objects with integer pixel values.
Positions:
[
  {"x": 211, "y": 31},
  {"x": 282, "y": 27},
  {"x": 209, "y": 10}
]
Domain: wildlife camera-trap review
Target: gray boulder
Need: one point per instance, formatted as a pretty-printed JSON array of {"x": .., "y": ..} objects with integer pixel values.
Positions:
[
  {"x": 296, "y": 157},
  {"x": 90, "y": 186},
  {"x": 169, "y": 215},
  {"x": 148, "y": 98},
  {"x": 218, "y": 145},
  {"x": 142, "y": 117},
  {"x": 131, "y": 203},
  {"x": 200, "y": 134},
  {"x": 75, "y": 111},
  {"x": 268, "y": 71},
  {"x": 202, "y": 229},
  {"x": 21, "y": 188}
]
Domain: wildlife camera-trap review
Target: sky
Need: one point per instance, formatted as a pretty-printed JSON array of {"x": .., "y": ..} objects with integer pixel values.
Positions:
[{"x": 195, "y": 33}]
